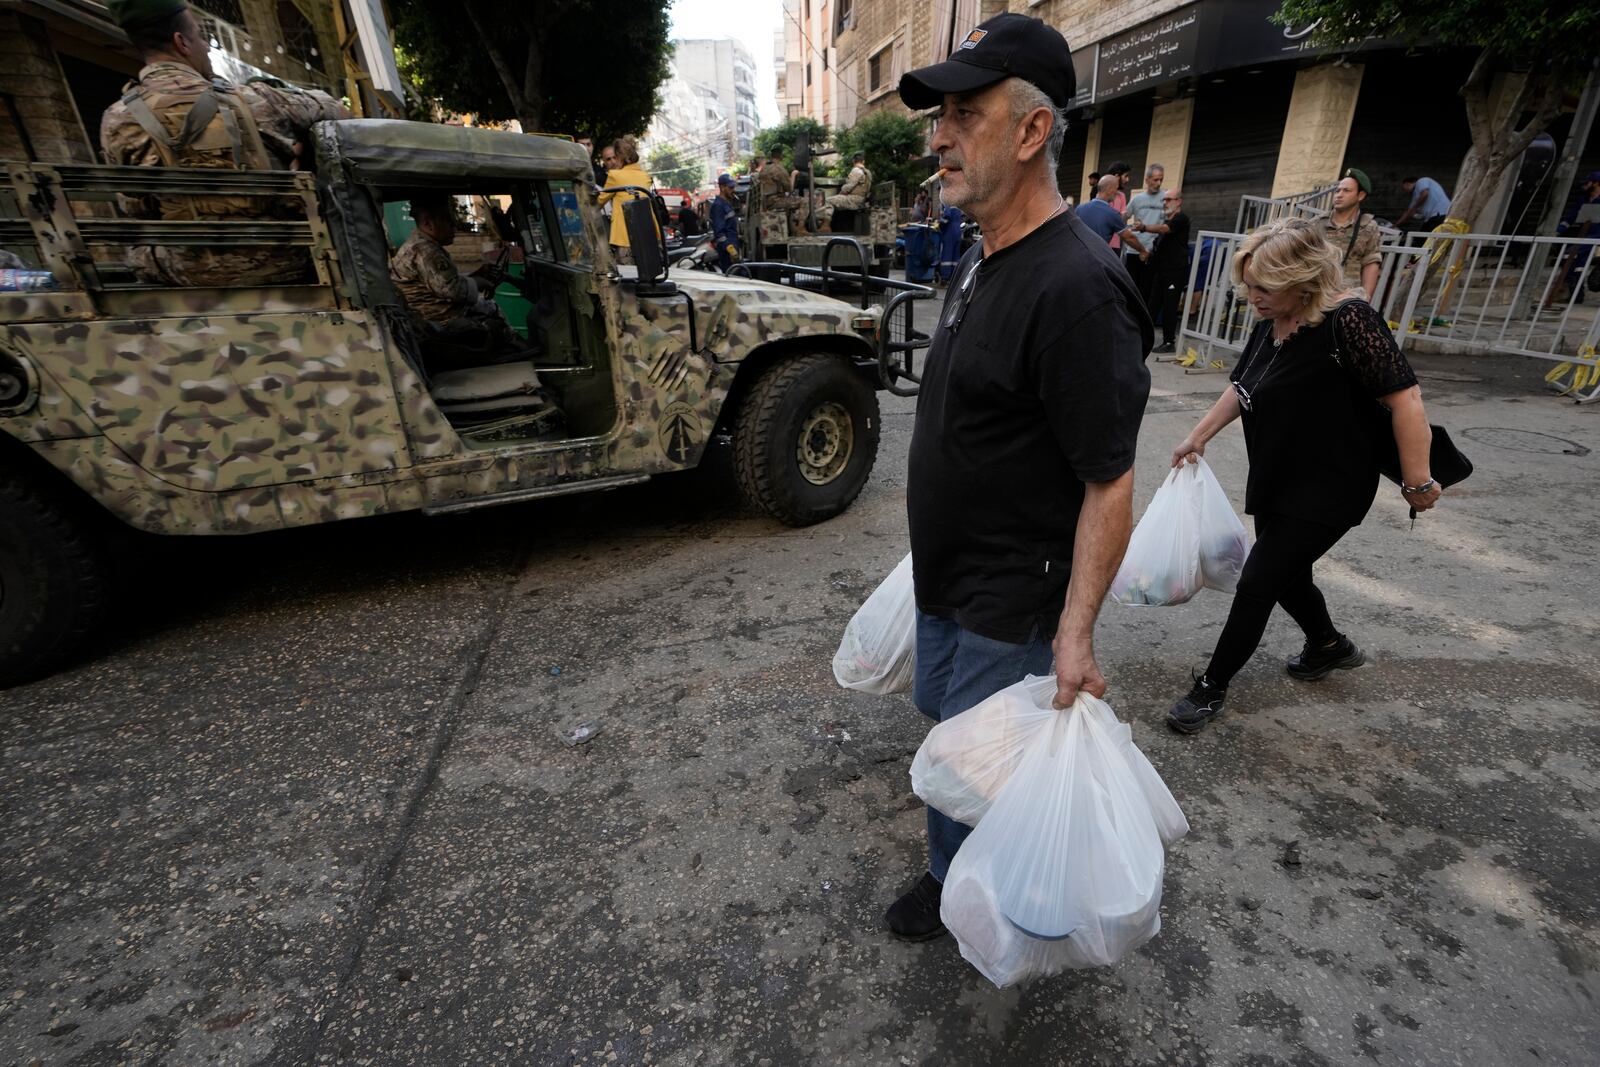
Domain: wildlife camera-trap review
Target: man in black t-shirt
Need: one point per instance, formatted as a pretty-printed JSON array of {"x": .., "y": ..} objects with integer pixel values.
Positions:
[
  {"x": 1168, "y": 272},
  {"x": 1021, "y": 469}
]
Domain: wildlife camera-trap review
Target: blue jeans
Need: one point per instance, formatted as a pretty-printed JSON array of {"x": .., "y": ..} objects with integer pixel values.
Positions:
[{"x": 957, "y": 669}]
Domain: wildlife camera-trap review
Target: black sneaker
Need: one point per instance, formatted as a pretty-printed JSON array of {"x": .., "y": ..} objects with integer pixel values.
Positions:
[
  {"x": 915, "y": 916},
  {"x": 1203, "y": 704},
  {"x": 1313, "y": 663},
  {"x": 1165, "y": 346}
]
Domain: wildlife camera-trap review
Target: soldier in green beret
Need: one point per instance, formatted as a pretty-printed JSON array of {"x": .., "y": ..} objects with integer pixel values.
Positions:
[
  {"x": 177, "y": 113},
  {"x": 1353, "y": 233}
]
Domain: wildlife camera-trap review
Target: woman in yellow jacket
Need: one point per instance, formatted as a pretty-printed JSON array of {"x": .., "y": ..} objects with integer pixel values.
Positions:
[{"x": 627, "y": 172}]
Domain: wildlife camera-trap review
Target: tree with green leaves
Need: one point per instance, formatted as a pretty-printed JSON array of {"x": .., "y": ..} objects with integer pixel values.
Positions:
[
  {"x": 671, "y": 168},
  {"x": 554, "y": 65},
  {"x": 781, "y": 138},
  {"x": 1553, "y": 45},
  {"x": 892, "y": 143}
]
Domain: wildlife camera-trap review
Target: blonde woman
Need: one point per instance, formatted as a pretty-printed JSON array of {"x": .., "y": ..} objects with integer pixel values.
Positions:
[
  {"x": 626, "y": 172},
  {"x": 1307, "y": 386}
]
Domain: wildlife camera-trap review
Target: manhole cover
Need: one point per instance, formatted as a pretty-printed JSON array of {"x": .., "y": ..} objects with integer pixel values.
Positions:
[{"x": 1523, "y": 440}]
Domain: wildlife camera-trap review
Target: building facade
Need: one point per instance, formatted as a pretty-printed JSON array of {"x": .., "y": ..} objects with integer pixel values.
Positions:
[
  {"x": 811, "y": 85},
  {"x": 726, "y": 66},
  {"x": 1226, "y": 100},
  {"x": 692, "y": 124}
]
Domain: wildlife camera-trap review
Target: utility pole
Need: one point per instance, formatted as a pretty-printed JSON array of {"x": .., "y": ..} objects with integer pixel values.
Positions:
[{"x": 1577, "y": 139}]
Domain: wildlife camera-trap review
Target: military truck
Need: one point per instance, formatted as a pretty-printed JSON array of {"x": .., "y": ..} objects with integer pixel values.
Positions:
[
  {"x": 771, "y": 234},
  {"x": 190, "y": 411}
]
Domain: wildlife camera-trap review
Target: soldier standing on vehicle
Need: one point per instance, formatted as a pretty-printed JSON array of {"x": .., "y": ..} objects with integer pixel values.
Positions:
[
  {"x": 177, "y": 114},
  {"x": 852, "y": 194},
  {"x": 1020, "y": 481}
]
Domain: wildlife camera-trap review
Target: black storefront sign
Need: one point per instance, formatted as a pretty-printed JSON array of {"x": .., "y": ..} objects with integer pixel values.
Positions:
[
  {"x": 1147, "y": 55},
  {"x": 1199, "y": 38}
]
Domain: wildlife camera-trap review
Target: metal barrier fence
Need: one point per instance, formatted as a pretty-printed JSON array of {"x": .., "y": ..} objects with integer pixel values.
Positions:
[
  {"x": 1480, "y": 292},
  {"x": 1258, "y": 210}
]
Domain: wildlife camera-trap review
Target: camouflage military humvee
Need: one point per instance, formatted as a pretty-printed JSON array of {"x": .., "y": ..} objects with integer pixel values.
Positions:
[{"x": 237, "y": 410}]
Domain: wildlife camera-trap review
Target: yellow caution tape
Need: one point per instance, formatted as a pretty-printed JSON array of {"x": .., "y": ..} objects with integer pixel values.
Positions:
[
  {"x": 1216, "y": 364},
  {"x": 1559, "y": 373},
  {"x": 1190, "y": 358}
]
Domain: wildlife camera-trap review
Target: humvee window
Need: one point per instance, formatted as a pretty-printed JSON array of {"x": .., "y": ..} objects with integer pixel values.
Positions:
[{"x": 564, "y": 200}]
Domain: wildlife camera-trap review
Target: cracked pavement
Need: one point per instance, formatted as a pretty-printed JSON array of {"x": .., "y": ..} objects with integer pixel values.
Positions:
[{"x": 312, "y": 801}]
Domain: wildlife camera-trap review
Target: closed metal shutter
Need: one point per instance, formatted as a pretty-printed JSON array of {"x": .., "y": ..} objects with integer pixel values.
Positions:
[
  {"x": 1409, "y": 122},
  {"x": 1069, "y": 171},
  {"x": 1125, "y": 137},
  {"x": 1234, "y": 143}
]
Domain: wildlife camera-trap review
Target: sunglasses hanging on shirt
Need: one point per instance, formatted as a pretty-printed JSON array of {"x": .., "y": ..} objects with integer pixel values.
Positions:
[{"x": 958, "y": 307}]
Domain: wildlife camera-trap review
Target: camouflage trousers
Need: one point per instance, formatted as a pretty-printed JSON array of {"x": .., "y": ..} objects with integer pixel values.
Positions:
[
  {"x": 849, "y": 203},
  {"x": 179, "y": 266}
]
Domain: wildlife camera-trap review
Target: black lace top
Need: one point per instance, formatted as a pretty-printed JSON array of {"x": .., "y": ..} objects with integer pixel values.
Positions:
[{"x": 1313, "y": 420}]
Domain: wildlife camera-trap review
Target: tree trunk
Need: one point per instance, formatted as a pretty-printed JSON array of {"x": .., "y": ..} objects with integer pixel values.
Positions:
[{"x": 1498, "y": 140}]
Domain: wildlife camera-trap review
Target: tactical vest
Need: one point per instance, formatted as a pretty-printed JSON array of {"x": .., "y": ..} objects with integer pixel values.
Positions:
[{"x": 218, "y": 132}]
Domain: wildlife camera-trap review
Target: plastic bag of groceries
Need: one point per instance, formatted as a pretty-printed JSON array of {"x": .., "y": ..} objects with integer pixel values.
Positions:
[
  {"x": 1065, "y": 868},
  {"x": 1223, "y": 541},
  {"x": 1188, "y": 539},
  {"x": 878, "y": 651}
]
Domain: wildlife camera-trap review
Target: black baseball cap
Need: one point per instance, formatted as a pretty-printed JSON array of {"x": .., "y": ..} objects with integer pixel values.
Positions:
[{"x": 1006, "y": 46}]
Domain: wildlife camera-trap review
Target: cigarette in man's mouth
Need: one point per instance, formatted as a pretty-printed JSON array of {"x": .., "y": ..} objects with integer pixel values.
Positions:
[{"x": 936, "y": 175}]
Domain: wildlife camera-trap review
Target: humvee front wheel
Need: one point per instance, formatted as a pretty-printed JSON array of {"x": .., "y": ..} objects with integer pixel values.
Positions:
[
  {"x": 54, "y": 584},
  {"x": 806, "y": 438}
]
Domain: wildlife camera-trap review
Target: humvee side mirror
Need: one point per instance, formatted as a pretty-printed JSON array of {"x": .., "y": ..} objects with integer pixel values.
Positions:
[{"x": 639, "y": 216}]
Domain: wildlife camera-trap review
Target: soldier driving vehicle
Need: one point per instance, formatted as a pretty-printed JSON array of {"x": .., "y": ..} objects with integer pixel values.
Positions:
[{"x": 183, "y": 409}]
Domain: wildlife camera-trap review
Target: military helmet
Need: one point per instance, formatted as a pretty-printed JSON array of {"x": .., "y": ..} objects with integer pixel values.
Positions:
[{"x": 136, "y": 14}]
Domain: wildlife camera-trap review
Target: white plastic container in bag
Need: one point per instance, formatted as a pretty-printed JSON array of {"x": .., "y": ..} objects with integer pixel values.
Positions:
[
  {"x": 1064, "y": 869},
  {"x": 1188, "y": 539},
  {"x": 878, "y": 651}
]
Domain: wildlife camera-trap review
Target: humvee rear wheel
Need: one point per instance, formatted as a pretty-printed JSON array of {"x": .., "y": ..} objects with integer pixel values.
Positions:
[
  {"x": 54, "y": 584},
  {"x": 806, "y": 438}
]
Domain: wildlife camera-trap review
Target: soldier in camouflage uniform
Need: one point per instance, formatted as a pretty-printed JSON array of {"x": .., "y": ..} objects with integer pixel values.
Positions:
[
  {"x": 176, "y": 114},
  {"x": 461, "y": 325},
  {"x": 433, "y": 286},
  {"x": 852, "y": 194}
]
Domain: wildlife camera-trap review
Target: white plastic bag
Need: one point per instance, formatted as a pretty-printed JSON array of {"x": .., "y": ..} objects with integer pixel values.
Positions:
[
  {"x": 1188, "y": 539},
  {"x": 1065, "y": 868},
  {"x": 878, "y": 651},
  {"x": 966, "y": 760},
  {"x": 1223, "y": 541}
]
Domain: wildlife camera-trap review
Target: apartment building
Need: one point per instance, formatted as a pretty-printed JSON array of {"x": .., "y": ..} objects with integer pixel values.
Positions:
[{"x": 726, "y": 66}]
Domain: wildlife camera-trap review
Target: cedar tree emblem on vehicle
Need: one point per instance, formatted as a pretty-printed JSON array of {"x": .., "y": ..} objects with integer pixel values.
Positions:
[{"x": 680, "y": 429}]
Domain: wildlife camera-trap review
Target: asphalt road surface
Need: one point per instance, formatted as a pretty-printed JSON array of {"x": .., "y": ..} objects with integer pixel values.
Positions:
[{"x": 314, "y": 799}]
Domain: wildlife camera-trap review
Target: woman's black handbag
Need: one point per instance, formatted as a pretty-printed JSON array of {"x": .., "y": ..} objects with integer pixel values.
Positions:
[{"x": 1446, "y": 463}]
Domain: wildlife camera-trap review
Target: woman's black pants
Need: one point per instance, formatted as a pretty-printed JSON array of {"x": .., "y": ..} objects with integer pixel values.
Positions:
[{"x": 1277, "y": 571}]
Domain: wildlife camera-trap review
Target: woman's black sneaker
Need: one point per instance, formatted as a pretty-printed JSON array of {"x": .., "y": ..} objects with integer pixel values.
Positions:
[
  {"x": 1313, "y": 663},
  {"x": 915, "y": 916},
  {"x": 1203, "y": 704}
]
